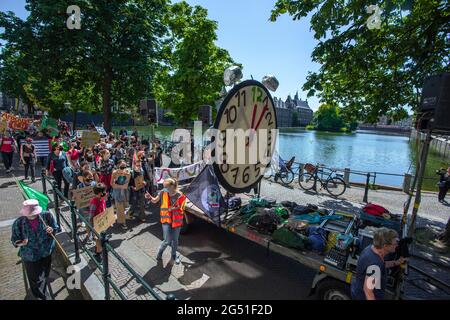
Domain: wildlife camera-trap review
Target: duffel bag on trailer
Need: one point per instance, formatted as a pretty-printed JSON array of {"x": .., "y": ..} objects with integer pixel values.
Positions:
[
  {"x": 374, "y": 209},
  {"x": 264, "y": 223},
  {"x": 289, "y": 238}
]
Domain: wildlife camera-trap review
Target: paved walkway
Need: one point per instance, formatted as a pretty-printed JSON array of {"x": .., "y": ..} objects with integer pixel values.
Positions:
[{"x": 12, "y": 284}]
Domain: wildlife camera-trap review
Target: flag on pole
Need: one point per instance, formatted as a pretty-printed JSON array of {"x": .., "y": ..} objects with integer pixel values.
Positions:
[
  {"x": 204, "y": 193},
  {"x": 51, "y": 125},
  {"x": 34, "y": 194}
]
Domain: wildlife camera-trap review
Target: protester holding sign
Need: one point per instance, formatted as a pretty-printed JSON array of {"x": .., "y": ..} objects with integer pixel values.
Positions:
[
  {"x": 33, "y": 233},
  {"x": 137, "y": 192},
  {"x": 172, "y": 214},
  {"x": 97, "y": 205},
  {"x": 28, "y": 158},
  {"x": 7, "y": 148}
]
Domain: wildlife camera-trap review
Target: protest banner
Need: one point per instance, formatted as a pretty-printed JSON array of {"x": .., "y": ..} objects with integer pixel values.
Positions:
[
  {"x": 184, "y": 173},
  {"x": 104, "y": 220},
  {"x": 120, "y": 180},
  {"x": 89, "y": 138},
  {"x": 15, "y": 122},
  {"x": 83, "y": 196}
]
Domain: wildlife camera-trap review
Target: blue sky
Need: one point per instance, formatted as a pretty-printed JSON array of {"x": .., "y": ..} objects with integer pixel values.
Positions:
[{"x": 282, "y": 48}]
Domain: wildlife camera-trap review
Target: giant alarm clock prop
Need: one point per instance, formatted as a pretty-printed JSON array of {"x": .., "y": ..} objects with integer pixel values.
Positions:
[{"x": 249, "y": 107}]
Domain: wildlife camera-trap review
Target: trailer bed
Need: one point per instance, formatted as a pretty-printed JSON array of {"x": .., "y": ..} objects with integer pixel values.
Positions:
[{"x": 231, "y": 222}]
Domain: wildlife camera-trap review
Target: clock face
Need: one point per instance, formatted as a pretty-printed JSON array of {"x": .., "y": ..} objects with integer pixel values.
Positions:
[{"x": 248, "y": 108}]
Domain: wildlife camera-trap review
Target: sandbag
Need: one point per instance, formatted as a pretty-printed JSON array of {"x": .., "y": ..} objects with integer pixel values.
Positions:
[{"x": 289, "y": 238}]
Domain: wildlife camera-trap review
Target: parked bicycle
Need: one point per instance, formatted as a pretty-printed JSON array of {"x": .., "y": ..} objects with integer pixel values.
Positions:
[
  {"x": 285, "y": 171},
  {"x": 333, "y": 182}
]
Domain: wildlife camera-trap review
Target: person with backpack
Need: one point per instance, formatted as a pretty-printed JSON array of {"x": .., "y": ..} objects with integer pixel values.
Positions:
[
  {"x": 33, "y": 233},
  {"x": 28, "y": 158},
  {"x": 171, "y": 216},
  {"x": 7, "y": 149}
]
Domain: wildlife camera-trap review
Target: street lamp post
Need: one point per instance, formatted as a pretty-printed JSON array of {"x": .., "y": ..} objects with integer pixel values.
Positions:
[{"x": 67, "y": 105}]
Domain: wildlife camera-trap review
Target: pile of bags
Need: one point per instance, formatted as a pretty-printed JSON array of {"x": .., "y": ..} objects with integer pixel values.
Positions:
[{"x": 290, "y": 224}]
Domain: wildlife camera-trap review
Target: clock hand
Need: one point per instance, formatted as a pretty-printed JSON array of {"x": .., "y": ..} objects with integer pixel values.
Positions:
[{"x": 265, "y": 109}]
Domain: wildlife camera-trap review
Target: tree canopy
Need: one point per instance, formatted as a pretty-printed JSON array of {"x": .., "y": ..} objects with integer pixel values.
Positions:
[
  {"x": 193, "y": 71},
  {"x": 373, "y": 71},
  {"x": 114, "y": 55},
  {"x": 330, "y": 118}
]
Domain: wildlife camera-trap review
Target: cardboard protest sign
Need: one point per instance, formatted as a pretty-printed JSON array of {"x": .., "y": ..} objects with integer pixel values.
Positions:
[
  {"x": 3, "y": 126},
  {"x": 139, "y": 182},
  {"x": 101, "y": 131},
  {"x": 89, "y": 138},
  {"x": 104, "y": 220},
  {"x": 82, "y": 196},
  {"x": 120, "y": 179}
]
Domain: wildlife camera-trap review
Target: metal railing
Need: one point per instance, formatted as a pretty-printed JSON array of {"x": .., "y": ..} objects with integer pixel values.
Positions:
[
  {"x": 369, "y": 177},
  {"x": 107, "y": 249}
]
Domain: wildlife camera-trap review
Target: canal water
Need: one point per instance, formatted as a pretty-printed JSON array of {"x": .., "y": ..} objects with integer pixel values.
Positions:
[{"x": 387, "y": 154}]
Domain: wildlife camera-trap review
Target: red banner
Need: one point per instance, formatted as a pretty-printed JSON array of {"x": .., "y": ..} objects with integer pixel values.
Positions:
[{"x": 16, "y": 122}]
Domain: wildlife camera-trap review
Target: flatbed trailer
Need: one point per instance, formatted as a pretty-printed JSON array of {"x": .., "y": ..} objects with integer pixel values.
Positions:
[{"x": 329, "y": 283}]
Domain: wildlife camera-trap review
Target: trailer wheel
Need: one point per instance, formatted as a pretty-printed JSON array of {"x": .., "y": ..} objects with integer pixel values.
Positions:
[{"x": 330, "y": 289}]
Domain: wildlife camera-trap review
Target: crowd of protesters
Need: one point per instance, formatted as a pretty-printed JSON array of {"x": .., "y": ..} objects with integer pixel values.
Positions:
[{"x": 74, "y": 166}]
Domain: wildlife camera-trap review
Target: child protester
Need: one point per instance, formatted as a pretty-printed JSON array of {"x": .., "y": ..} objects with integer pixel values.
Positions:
[
  {"x": 119, "y": 184},
  {"x": 97, "y": 205},
  {"x": 137, "y": 192}
]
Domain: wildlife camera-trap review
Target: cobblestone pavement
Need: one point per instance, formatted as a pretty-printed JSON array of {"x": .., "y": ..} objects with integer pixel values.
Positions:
[{"x": 12, "y": 285}]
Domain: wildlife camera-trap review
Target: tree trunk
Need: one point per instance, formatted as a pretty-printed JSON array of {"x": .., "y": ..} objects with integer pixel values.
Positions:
[{"x": 107, "y": 80}]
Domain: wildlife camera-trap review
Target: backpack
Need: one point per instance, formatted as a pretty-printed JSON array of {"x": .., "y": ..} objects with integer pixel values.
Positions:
[
  {"x": 317, "y": 238},
  {"x": 289, "y": 238}
]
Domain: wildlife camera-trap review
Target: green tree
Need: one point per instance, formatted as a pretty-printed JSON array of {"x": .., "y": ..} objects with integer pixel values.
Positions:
[
  {"x": 369, "y": 71},
  {"x": 194, "y": 64},
  {"x": 328, "y": 118},
  {"x": 115, "y": 53}
]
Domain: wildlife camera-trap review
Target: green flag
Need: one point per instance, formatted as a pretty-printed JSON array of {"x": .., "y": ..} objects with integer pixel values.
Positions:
[
  {"x": 51, "y": 125},
  {"x": 34, "y": 194}
]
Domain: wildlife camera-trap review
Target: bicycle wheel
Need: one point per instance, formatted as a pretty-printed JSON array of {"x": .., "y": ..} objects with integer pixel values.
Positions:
[
  {"x": 268, "y": 172},
  {"x": 287, "y": 176},
  {"x": 306, "y": 181},
  {"x": 335, "y": 186}
]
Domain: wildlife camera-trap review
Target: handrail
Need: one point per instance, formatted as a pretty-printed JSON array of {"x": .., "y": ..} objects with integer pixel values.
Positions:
[{"x": 106, "y": 246}]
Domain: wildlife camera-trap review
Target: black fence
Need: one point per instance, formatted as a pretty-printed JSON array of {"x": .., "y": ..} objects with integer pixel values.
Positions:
[{"x": 107, "y": 249}]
